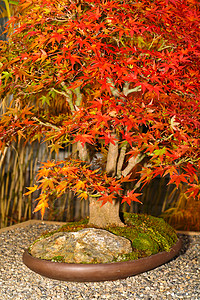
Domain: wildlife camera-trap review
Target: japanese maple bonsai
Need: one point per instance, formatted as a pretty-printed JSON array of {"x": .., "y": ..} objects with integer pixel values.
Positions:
[{"x": 117, "y": 79}]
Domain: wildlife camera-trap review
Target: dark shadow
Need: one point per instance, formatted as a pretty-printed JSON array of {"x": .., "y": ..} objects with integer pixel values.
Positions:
[
  {"x": 121, "y": 215},
  {"x": 186, "y": 241}
]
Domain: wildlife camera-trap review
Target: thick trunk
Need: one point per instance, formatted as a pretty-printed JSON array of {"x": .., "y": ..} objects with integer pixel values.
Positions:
[
  {"x": 108, "y": 214},
  {"x": 112, "y": 158},
  {"x": 104, "y": 216}
]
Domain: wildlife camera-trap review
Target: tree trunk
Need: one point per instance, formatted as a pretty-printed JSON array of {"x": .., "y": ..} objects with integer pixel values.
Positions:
[
  {"x": 108, "y": 214},
  {"x": 104, "y": 216}
]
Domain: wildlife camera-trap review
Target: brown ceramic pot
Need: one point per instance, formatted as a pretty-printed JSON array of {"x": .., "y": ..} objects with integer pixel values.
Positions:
[{"x": 98, "y": 272}]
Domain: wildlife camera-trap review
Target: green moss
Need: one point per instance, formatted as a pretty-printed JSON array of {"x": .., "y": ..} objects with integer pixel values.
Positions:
[
  {"x": 58, "y": 258},
  {"x": 145, "y": 244},
  {"x": 131, "y": 256},
  {"x": 159, "y": 231},
  {"x": 149, "y": 235}
]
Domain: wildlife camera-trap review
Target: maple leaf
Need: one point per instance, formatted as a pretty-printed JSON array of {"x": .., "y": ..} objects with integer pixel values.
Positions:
[
  {"x": 80, "y": 185},
  {"x": 131, "y": 196},
  {"x": 43, "y": 172},
  {"x": 106, "y": 198},
  {"x": 84, "y": 138},
  {"x": 160, "y": 153},
  {"x": 177, "y": 179},
  {"x": 128, "y": 137},
  {"x": 170, "y": 170},
  {"x": 55, "y": 147},
  {"x": 46, "y": 183},
  {"x": 58, "y": 37},
  {"x": 108, "y": 138},
  {"x": 61, "y": 187},
  {"x": 31, "y": 190},
  {"x": 74, "y": 59},
  {"x": 42, "y": 204},
  {"x": 49, "y": 164},
  {"x": 83, "y": 195},
  {"x": 194, "y": 191},
  {"x": 126, "y": 178}
]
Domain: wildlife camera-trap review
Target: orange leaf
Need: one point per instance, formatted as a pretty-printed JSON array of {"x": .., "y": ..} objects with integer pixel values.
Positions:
[
  {"x": 131, "y": 196},
  {"x": 42, "y": 205},
  {"x": 46, "y": 182},
  {"x": 106, "y": 198},
  {"x": 80, "y": 185},
  {"x": 61, "y": 186},
  {"x": 84, "y": 195},
  {"x": 31, "y": 190}
]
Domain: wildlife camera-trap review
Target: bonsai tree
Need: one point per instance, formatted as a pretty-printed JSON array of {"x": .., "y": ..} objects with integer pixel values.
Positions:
[{"x": 119, "y": 80}]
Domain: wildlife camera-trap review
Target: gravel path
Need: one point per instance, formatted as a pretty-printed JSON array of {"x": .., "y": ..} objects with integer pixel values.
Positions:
[{"x": 178, "y": 279}]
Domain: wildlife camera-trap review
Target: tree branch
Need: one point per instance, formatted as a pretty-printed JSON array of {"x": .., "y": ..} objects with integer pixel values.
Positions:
[
  {"x": 127, "y": 91},
  {"x": 47, "y": 124},
  {"x": 112, "y": 158},
  {"x": 77, "y": 91},
  {"x": 133, "y": 161},
  {"x": 121, "y": 160},
  {"x": 82, "y": 152},
  {"x": 67, "y": 94},
  {"x": 113, "y": 89}
]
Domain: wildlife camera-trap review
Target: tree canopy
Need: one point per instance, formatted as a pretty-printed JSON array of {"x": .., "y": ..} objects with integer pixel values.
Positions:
[{"x": 120, "y": 78}]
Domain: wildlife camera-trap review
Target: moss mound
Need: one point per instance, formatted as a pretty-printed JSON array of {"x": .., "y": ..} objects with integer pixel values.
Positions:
[{"x": 149, "y": 235}]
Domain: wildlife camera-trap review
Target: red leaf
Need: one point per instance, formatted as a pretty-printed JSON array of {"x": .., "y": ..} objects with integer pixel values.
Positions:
[
  {"x": 131, "y": 196},
  {"x": 106, "y": 198},
  {"x": 84, "y": 138},
  {"x": 177, "y": 179}
]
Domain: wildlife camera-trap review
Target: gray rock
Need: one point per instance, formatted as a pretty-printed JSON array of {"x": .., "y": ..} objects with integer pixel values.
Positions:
[{"x": 88, "y": 245}]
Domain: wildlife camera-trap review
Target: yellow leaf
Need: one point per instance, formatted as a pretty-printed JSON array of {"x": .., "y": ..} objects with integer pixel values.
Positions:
[
  {"x": 84, "y": 195},
  {"x": 31, "y": 190},
  {"x": 80, "y": 185},
  {"x": 46, "y": 183},
  {"x": 61, "y": 186},
  {"x": 56, "y": 147},
  {"x": 42, "y": 205}
]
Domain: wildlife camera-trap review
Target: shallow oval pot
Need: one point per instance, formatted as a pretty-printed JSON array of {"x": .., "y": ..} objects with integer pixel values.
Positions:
[{"x": 98, "y": 272}]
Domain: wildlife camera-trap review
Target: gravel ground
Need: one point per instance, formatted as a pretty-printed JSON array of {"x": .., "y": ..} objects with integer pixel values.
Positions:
[{"x": 178, "y": 279}]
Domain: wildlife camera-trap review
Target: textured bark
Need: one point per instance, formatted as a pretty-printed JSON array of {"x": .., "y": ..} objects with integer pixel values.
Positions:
[
  {"x": 106, "y": 215},
  {"x": 133, "y": 161},
  {"x": 121, "y": 160},
  {"x": 112, "y": 158},
  {"x": 82, "y": 152}
]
